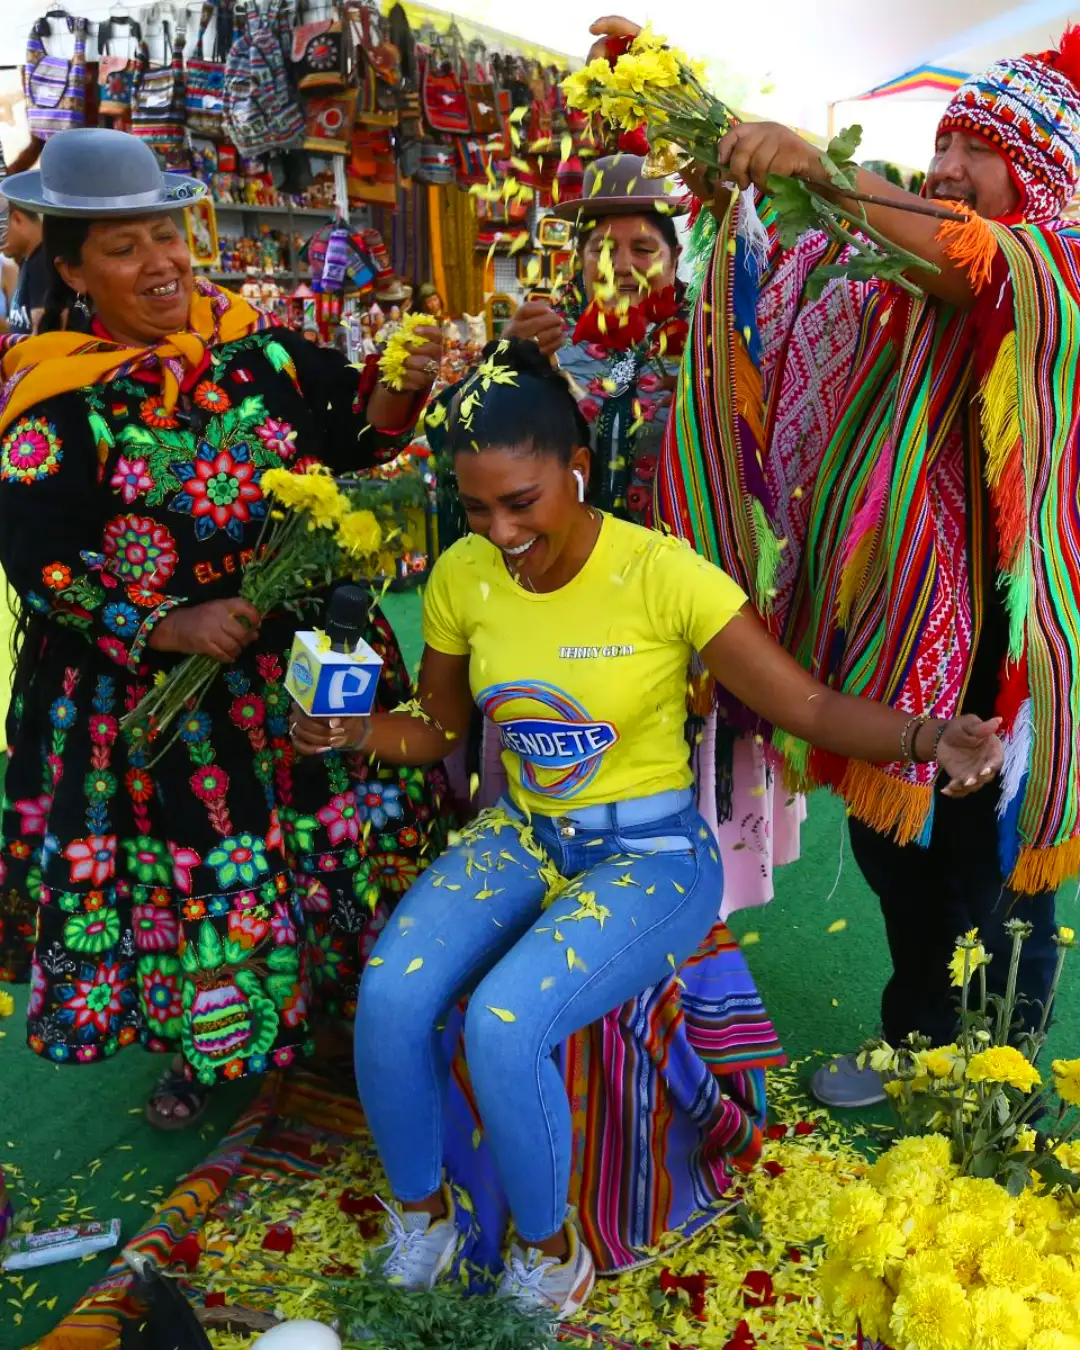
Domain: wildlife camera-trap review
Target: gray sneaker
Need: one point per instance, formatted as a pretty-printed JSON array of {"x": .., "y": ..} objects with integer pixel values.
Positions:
[
  {"x": 843, "y": 1084},
  {"x": 545, "y": 1284},
  {"x": 418, "y": 1248}
]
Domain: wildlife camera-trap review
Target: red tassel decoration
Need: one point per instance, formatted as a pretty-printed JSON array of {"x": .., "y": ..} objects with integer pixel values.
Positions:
[{"x": 1066, "y": 60}]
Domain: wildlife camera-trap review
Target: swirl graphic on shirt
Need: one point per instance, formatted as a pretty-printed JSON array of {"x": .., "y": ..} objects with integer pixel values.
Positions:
[{"x": 569, "y": 744}]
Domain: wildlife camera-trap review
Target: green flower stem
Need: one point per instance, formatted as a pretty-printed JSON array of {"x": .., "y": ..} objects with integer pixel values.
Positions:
[
  {"x": 1005, "y": 1011},
  {"x": 1044, "y": 1020}
]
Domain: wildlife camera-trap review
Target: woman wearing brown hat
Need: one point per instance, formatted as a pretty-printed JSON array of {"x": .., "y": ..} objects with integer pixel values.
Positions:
[{"x": 628, "y": 253}]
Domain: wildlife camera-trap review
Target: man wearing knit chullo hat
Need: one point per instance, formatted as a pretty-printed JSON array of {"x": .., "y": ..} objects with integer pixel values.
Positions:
[{"x": 894, "y": 479}]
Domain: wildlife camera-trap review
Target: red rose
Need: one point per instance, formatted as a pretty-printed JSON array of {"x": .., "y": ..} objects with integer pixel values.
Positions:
[
  {"x": 694, "y": 1286},
  {"x": 669, "y": 341},
  {"x": 772, "y": 1169},
  {"x": 613, "y": 332},
  {"x": 776, "y": 1132},
  {"x": 278, "y": 1238},
  {"x": 804, "y": 1127},
  {"x": 759, "y": 1289},
  {"x": 648, "y": 382},
  {"x": 742, "y": 1340},
  {"x": 634, "y": 142},
  {"x": 589, "y": 409},
  {"x": 661, "y": 305}
]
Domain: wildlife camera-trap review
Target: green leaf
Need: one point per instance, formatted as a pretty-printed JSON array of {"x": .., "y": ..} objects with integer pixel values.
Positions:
[{"x": 842, "y": 147}]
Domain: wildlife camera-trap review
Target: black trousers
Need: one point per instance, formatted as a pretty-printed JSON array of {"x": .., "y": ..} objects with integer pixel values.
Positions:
[{"x": 931, "y": 896}]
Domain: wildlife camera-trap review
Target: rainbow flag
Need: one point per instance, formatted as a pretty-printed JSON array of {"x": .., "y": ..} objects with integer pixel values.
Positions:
[{"x": 923, "y": 80}]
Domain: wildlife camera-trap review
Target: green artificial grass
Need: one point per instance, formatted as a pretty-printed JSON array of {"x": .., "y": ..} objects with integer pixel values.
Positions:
[{"x": 80, "y": 1129}]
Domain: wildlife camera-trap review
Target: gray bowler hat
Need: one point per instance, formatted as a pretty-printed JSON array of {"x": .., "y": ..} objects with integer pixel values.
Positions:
[{"x": 94, "y": 172}]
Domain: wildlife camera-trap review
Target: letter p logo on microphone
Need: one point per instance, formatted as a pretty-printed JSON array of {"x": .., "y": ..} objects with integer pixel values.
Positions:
[{"x": 332, "y": 684}]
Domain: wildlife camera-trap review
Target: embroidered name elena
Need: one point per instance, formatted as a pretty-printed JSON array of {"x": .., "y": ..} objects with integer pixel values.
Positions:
[{"x": 595, "y": 653}]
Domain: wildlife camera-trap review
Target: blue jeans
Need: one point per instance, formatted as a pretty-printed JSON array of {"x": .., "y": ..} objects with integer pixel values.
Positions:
[{"x": 645, "y": 890}]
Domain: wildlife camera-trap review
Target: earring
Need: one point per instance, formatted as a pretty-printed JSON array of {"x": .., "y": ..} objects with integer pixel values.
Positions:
[
  {"x": 81, "y": 306},
  {"x": 580, "y": 484}
]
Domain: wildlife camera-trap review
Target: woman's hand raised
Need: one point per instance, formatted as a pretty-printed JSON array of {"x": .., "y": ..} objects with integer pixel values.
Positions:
[
  {"x": 539, "y": 323},
  {"x": 220, "y": 628}
]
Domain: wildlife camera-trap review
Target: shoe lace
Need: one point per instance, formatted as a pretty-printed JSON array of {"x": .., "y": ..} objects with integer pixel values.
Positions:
[
  {"x": 524, "y": 1280},
  {"x": 403, "y": 1245}
]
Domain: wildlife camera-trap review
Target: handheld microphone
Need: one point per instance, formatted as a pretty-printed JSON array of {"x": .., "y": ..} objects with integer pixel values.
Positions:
[{"x": 335, "y": 673}]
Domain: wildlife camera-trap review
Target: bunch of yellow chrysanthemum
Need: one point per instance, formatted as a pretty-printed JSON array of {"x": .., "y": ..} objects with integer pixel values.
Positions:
[{"x": 922, "y": 1257}]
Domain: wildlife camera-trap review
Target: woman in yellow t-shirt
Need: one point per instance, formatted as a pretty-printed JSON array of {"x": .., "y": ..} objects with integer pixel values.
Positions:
[{"x": 574, "y": 633}]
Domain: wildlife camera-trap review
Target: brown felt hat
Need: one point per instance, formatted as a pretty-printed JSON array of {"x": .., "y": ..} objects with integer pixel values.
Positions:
[{"x": 623, "y": 191}]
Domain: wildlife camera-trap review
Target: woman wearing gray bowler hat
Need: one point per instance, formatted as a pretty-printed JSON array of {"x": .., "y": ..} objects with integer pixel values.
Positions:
[{"x": 209, "y": 902}]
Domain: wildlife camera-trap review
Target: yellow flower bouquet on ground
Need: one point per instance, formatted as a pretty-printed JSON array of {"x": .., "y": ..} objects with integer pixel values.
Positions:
[
  {"x": 658, "y": 86},
  {"x": 320, "y": 529},
  {"x": 965, "y": 1235}
]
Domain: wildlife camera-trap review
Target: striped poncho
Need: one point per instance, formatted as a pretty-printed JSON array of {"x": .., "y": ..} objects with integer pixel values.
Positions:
[{"x": 828, "y": 454}]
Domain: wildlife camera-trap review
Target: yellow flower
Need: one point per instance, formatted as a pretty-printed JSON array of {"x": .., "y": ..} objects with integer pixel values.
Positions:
[
  {"x": 648, "y": 41},
  {"x": 853, "y": 1209},
  {"x": 971, "y": 950},
  {"x": 930, "y": 1313},
  {"x": 855, "y": 1299},
  {"x": 1010, "y": 1262},
  {"x": 1056, "y": 1314},
  {"x": 359, "y": 533},
  {"x": 1066, "y": 936},
  {"x": 1053, "y": 1340},
  {"x": 1059, "y": 1278},
  {"x": 313, "y": 493},
  {"x": 944, "y": 1061},
  {"x": 7, "y": 1004},
  {"x": 1067, "y": 1080},
  {"x": 879, "y": 1249},
  {"x": 583, "y": 89},
  {"x": 932, "y": 1261},
  {"x": 392, "y": 362},
  {"x": 638, "y": 73},
  {"x": 1000, "y": 1319},
  {"x": 1003, "y": 1064}
]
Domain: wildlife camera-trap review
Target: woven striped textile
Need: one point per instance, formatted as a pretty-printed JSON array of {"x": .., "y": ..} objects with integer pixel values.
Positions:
[{"x": 842, "y": 490}]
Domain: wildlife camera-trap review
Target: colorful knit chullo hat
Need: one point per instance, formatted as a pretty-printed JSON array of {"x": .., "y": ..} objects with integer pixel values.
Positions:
[{"x": 1028, "y": 109}]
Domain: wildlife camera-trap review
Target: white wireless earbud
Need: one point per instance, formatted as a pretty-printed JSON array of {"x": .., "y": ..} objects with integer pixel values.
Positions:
[{"x": 580, "y": 484}]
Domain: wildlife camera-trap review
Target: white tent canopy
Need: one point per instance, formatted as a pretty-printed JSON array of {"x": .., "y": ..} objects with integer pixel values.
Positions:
[{"x": 807, "y": 53}]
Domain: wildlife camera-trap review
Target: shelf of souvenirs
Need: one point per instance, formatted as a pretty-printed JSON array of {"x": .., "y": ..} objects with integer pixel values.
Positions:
[
  {"x": 243, "y": 208},
  {"x": 301, "y": 274}
]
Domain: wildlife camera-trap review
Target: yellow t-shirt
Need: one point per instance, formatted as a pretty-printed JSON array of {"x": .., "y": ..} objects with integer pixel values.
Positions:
[{"x": 588, "y": 683}]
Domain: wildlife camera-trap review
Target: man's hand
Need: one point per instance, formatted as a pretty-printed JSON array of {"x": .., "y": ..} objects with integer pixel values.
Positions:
[
  {"x": 220, "y": 628},
  {"x": 610, "y": 26},
  {"x": 752, "y": 151},
  {"x": 536, "y": 322},
  {"x": 970, "y": 753}
]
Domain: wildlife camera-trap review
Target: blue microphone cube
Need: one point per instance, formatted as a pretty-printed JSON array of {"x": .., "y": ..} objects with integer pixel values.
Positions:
[{"x": 326, "y": 683}]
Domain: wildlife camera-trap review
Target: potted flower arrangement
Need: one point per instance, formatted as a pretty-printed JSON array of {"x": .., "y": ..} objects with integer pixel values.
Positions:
[{"x": 965, "y": 1235}]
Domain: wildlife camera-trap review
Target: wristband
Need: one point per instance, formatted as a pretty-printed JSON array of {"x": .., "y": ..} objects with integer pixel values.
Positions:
[{"x": 907, "y": 737}]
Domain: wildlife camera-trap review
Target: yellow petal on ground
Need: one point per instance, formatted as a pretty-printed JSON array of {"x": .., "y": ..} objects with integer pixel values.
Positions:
[
  {"x": 414, "y": 965},
  {"x": 750, "y": 939},
  {"x": 837, "y": 927},
  {"x": 680, "y": 889},
  {"x": 548, "y": 982},
  {"x": 502, "y": 1014},
  {"x": 476, "y": 1137},
  {"x": 376, "y": 961}
]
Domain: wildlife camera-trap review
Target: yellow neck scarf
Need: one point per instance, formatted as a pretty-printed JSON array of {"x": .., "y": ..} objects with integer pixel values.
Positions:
[{"x": 39, "y": 368}]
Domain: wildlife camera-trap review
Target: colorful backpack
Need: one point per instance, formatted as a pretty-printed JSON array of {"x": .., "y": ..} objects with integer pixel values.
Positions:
[
  {"x": 55, "y": 86},
  {"x": 116, "y": 74},
  {"x": 261, "y": 111},
  {"x": 158, "y": 110},
  {"x": 204, "y": 77}
]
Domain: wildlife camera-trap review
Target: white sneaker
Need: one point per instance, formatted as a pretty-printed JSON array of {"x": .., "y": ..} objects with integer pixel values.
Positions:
[
  {"x": 544, "y": 1283},
  {"x": 419, "y": 1248}
]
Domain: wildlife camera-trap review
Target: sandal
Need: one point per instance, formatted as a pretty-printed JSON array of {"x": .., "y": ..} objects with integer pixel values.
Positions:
[{"x": 193, "y": 1096}]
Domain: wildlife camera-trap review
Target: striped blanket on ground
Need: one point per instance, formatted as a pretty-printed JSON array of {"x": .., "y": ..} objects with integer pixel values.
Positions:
[
  {"x": 668, "y": 1103},
  {"x": 828, "y": 453}
]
